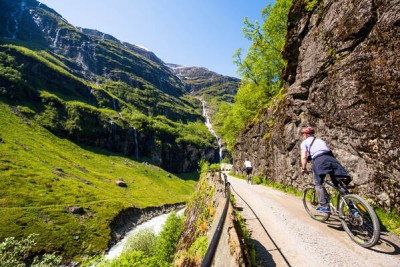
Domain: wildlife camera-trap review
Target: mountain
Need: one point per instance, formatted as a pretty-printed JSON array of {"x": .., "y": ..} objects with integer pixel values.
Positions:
[
  {"x": 90, "y": 127},
  {"x": 88, "y": 86},
  {"x": 207, "y": 84},
  {"x": 214, "y": 89},
  {"x": 342, "y": 77}
]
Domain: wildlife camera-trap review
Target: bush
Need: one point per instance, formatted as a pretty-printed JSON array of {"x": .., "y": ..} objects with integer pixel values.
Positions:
[
  {"x": 145, "y": 249},
  {"x": 144, "y": 241},
  {"x": 168, "y": 239},
  {"x": 14, "y": 253}
]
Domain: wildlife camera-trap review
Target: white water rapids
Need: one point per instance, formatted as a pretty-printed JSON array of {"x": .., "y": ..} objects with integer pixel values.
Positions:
[{"x": 156, "y": 224}]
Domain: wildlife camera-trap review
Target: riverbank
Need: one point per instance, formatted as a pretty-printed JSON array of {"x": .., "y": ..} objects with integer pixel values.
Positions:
[{"x": 129, "y": 218}]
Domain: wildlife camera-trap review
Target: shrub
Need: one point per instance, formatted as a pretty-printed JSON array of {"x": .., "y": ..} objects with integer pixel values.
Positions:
[
  {"x": 14, "y": 253},
  {"x": 144, "y": 241},
  {"x": 168, "y": 239}
]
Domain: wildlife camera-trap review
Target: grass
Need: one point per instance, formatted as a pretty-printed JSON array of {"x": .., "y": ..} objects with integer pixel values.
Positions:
[{"x": 42, "y": 175}]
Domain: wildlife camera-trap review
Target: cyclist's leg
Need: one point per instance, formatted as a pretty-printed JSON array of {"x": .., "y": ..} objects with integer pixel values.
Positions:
[
  {"x": 318, "y": 182},
  {"x": 319, "y": 188}
]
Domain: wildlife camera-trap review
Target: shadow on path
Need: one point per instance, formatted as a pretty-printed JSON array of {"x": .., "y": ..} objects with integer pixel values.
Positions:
[{"x": 263, "y": 257}]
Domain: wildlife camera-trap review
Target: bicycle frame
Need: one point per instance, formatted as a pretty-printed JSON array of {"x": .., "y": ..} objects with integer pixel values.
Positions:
[
  {"x": 357, "y": 217},
  {"x": 342, "y": 191}
]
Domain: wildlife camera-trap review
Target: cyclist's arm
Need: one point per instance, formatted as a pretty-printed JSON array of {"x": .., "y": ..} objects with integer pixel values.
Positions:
[{"x": 303, "y": 159}]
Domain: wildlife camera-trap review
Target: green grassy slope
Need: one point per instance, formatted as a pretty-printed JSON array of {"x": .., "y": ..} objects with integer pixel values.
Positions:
[{"x": 42, "y": 175}]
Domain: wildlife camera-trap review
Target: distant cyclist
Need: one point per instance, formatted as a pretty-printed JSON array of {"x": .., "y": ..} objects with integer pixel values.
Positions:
[
  {"x": 324, "y": 163},
  {"x": 249, "y": 169}
]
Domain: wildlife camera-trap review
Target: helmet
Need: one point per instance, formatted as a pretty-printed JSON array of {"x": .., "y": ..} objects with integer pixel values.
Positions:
[{"x": 308, "y": 130}]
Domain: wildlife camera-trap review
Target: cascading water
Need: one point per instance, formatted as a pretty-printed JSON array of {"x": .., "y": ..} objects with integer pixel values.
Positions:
[
  {"x": 56, "y": 38},
  {"x": 210, "y": 128}
]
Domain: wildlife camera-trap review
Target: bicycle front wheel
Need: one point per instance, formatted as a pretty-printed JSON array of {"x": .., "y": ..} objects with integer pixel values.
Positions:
[
  {"x": 359, "y": 220},
  {"x": 310, "y": 202}
]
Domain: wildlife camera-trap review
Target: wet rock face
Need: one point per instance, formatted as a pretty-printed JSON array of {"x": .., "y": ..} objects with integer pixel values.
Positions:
[{"x": 343, "y": 78}]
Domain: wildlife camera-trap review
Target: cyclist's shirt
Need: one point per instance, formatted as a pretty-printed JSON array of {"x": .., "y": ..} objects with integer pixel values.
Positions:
[{"x": 318, "y": 147}]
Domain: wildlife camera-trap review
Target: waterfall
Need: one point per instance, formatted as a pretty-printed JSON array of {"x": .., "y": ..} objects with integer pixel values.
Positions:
[
  {"x": 210, "y": 128},
  {"x": 79, "y": 60},
  {"x": 56, "y": 38},
  {"x": 136, "y": 143}
]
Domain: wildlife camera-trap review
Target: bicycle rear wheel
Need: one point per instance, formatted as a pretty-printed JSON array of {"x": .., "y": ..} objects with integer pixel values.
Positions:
[
  {"x": 310, "y": 202},
  {"x": 359, "y": 221}
]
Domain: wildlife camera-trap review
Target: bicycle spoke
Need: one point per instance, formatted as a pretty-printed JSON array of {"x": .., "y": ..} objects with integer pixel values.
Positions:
[
  {"x": 360, "y": 221},
  {"x": 310, "y": 202}
]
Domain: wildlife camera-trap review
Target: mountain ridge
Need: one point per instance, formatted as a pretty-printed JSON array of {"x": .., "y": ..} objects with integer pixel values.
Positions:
[{"x": 116, "y": 75}]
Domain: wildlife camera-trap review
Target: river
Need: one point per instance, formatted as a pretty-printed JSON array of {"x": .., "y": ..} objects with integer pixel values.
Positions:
[{"x": 156, "y": 224}]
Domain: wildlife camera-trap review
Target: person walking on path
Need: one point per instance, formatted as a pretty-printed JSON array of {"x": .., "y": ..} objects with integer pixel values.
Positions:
[{"x": 324, "y": 163}]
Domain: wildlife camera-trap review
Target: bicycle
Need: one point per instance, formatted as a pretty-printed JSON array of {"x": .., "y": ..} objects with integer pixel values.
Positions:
[
  {"x": 356, "y": 215},
  {"x": 249, "y": 178}
]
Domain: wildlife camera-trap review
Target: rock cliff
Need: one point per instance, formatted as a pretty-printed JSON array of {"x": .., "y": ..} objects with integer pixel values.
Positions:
[{"x": 343, "y": 78}]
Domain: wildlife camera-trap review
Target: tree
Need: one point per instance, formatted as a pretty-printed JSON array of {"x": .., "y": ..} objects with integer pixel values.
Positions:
[{"x": 260, "y": 70}]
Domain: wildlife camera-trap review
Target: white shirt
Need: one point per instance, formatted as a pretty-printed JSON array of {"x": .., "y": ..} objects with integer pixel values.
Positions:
[
  {"x": 317, "y": 148},
  {"x": 247, "y": 164}
]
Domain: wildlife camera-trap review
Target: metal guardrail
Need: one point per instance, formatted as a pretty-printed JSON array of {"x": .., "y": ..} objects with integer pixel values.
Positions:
[{"x": 215, "y": 239}]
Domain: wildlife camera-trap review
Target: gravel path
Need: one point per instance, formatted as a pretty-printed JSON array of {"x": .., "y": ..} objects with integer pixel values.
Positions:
[{"x": 285, "y": 235}]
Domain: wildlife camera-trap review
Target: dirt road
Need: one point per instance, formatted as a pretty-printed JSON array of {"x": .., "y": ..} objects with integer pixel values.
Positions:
[{"x": 285, "y": 235}]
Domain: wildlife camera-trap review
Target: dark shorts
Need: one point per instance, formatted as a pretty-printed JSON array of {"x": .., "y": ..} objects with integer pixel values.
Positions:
[
  {"x": 248, "y": 170},
  {"x": 326, "y": 164}
]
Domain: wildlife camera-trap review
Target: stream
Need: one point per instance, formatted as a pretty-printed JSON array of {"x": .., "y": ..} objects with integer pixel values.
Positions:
[{"x": 156, "y": 224}]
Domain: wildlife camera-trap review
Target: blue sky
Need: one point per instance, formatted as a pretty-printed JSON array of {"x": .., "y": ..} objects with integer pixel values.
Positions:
[{"x": 203, "y": 33}]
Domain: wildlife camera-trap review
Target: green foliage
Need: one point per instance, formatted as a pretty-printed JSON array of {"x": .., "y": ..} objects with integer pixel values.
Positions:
[
  {"x": 311, "y": 4},
  {"x": 145, "y": 249},
  {"x": 167, "y": 241},
  {"x": 42, "y": 175},
  {"x": 390, "y": 220},
  {"x": 204, "y": 166},
  {"x": 144, "y": 241},
  {"x": 260, "y": 70},
  {"x": 215, "y": 167},
  {"x": 199, "y": 247},
  {"x": 14, "y": 253}
]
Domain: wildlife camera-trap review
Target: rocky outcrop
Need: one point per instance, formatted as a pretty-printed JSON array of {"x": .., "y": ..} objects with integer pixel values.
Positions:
[
  {"x": 343, "y": 78},
  {"x": 199, "y": 80}
]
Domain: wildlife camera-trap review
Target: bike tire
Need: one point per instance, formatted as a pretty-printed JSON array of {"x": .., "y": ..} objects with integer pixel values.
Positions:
[
  {"x": 362, "y": 226},
  {"x": 310, "y": 202}
]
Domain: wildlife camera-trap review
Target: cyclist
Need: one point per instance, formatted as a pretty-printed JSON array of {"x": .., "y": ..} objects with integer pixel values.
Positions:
[
  {"x": 249, "y": 168},
  {"x": 324, "y": 163}
]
